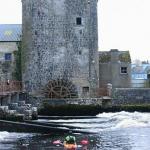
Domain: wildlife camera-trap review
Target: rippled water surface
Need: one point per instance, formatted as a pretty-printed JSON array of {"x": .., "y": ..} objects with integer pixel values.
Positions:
[{"x": 115, "y": 131}]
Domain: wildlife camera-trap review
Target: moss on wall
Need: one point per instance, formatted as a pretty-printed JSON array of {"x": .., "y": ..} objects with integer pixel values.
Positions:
[
  {"x": 6, "y": 67},
  {"x": 23, "y": 56},
  {"x": 105, "y": 57},
  {"x": 17, "y": 74},
  {"x": 125, "y": 57}
]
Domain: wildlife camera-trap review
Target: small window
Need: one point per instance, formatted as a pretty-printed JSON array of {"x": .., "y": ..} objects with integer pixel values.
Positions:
[
  {"x": 35, "y": 32},
  {"x": 124, "y": 70},
  {"x": 86, "y": 89},
  {"x": 148, "y": 76},
  {"x": 8, "y": 56},
  {"x": 38, "y": 13},
  {"x": 78, "y": 21},
  {"x": 80, "y": 52},
  {"x": 80, "y": 31}
]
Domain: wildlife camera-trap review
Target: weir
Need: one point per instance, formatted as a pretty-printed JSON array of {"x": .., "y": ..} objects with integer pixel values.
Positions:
[
  {"x": 38, "y": 127},
  {"x": 66, "y": 117}
]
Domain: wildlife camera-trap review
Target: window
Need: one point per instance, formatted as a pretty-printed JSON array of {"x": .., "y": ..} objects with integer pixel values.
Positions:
[
  {"x": 80, "y": 31},
  {"x": 38, "y": 13},
  {"x": 85, "y": 89},
  {"x": 124, "y": 70},
  {"x": 35, "y": 32},
  {"x": 8, "y": 56},
  {"x": 80, "y": 52},
  {"x": 148, "y": 76},
  {"x": 78, "y": 21}
]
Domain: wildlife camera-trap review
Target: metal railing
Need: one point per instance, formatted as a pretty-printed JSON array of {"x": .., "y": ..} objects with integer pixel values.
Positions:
[
  {"x": 10, "y": 87},
  {"x": 102, "y": 91}
]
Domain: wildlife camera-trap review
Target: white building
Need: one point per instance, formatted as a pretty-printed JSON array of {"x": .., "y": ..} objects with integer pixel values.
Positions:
[{"x": 10, "y": 35}]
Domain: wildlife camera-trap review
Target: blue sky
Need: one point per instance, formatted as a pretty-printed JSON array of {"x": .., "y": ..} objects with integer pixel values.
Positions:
[{"x": 123, "y": 24}]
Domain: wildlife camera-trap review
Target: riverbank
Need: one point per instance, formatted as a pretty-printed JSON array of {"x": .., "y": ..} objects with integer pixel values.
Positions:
[{"x": 89, "y": 110}]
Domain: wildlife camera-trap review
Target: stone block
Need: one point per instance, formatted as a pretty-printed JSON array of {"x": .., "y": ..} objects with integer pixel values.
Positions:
[
  {"x": 28, "y": 106},
  {"x": 4, "y": 108},
  {"x": 12, "y": 112},
  {"x": 13, "y": 106},
  {"x": 21, "y": 103}
]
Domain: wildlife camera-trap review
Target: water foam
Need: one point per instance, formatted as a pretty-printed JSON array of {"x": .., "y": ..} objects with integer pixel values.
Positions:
[
  {"x": 13, "y": 136},
  {"x": 3, "y": 135},
  {"x": 126, "y": 119},
  {"x": 109, "y": 121}
]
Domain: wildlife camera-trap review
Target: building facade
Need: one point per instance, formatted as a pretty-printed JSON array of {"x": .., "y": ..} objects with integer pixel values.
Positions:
[
  {"x": 60, "y": 43},
  {"x": 140, "y": 75},
  {"x": 115, "y": 68},
  {"x": 10, "y": 36}
]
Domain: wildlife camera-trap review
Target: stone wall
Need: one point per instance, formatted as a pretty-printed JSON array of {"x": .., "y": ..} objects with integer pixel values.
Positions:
[
  {"x": 103, "y": 101},
  {"x": 55, "y": 46},
  {"x": 131, "y": 96}
]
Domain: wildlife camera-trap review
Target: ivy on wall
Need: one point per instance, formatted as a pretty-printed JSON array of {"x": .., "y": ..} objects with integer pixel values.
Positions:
[
  {"x": 6, "y": 66},
  {"x": 105, "y": 58},
  {"x": 125, "y": 57},
  {"x": 17, "y": 74}
]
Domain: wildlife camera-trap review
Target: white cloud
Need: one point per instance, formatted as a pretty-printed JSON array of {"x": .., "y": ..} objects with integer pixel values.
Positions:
[
  {"x": 10, "y": 11},
  {"x": 125, "y": 24}
]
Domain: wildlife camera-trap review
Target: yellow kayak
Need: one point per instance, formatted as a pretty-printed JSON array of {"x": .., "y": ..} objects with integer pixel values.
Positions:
[{"x": 70, "y": 146}]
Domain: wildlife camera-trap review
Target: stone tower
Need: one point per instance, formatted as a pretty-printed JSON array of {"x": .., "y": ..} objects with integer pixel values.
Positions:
[{"x": 60, "y": 47}]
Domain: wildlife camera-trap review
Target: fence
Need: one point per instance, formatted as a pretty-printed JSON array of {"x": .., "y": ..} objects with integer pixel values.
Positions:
[
  {"x": 10, "y": 86},
  {"x": 102, "y": 91},
  {"x": 105, "y": 90}
]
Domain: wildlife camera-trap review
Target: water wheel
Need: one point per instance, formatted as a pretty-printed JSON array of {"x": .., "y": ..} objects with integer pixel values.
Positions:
[{"x": 60, "y": 88}]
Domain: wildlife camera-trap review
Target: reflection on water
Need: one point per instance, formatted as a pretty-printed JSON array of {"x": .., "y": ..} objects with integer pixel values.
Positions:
[{"x": 115, "y": 131}]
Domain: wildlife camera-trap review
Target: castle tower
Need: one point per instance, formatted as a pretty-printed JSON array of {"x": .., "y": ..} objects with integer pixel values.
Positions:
[{"x": 60, "y": 44}]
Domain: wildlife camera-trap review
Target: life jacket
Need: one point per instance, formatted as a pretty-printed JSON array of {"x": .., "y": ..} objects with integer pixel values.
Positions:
[{"x": 70, "y": 139}]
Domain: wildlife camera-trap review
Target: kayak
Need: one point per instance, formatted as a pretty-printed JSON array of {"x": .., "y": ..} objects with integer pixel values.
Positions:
[
  {"x": 84, "y": 142},
  {"x": 70, "y": 146}
]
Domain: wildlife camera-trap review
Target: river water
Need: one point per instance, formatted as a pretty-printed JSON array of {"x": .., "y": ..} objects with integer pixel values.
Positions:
[{"x": 115, "y": 131}]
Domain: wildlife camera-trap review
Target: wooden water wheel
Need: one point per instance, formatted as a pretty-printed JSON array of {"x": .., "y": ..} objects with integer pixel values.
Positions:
[{"x": 60, "y": 88}]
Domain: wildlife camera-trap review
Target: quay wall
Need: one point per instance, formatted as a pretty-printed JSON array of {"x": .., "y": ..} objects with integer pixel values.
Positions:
[
  {"x": 103, "y": 101},
  {"x": 37, "y": 101},
  {"x": 123, "y": 96}
]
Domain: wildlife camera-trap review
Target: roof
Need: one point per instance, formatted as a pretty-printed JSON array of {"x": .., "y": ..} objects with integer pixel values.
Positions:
[
  {"x": 140, "y": 69},
  {"x": 10, "y": 32}
]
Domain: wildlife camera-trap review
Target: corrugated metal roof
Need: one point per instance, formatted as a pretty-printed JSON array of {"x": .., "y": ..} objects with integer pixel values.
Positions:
[{"x": 10, "y": 32}]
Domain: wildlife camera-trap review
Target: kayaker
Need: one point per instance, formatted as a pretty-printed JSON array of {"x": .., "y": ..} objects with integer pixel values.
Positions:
[{"x": 70, "y": 139}]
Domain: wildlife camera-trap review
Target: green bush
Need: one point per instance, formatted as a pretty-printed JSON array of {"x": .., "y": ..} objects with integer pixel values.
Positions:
[
  {"x": 87, "y": 110},
  {"x": 69, "y": 110}
]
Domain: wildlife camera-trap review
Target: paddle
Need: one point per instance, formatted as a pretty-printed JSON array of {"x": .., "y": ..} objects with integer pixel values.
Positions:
[
  {"x": 57, "y": 142},
  {"x": 82, "y": 142}
]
